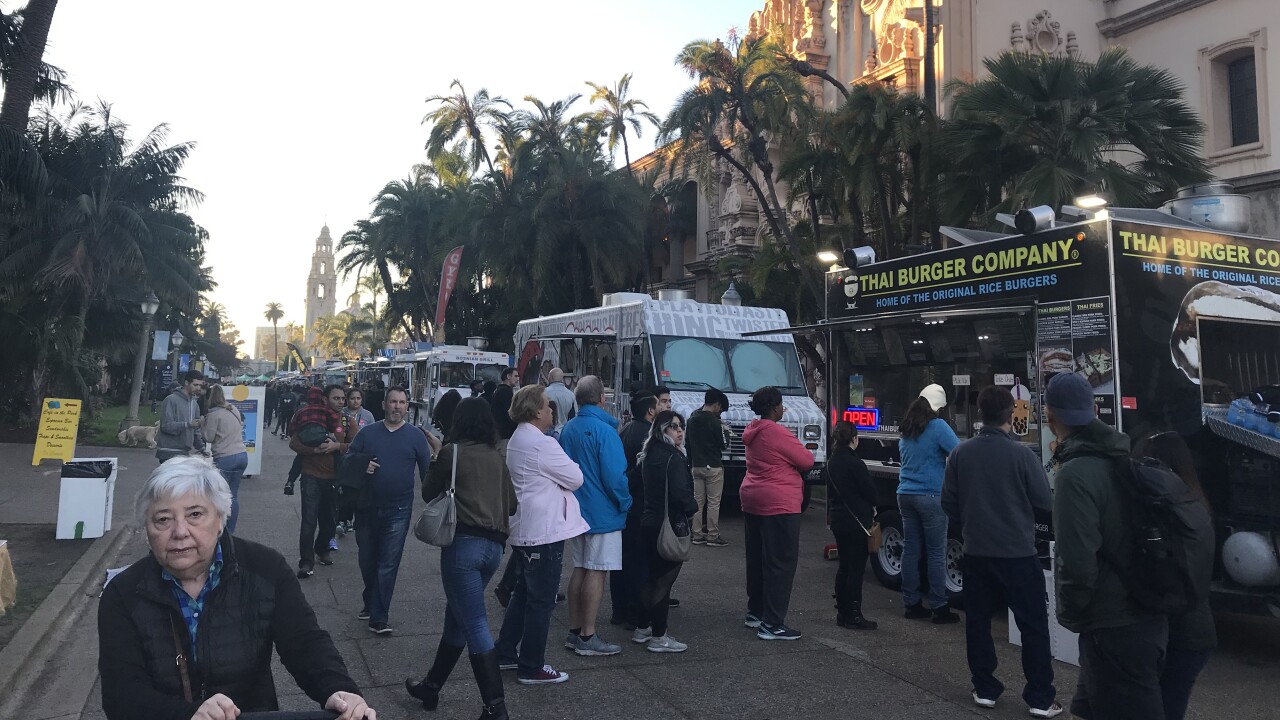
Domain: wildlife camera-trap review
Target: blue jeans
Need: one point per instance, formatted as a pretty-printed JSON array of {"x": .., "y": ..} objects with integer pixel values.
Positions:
[
  {"x": 232, "y": 468},
  {"x": 380, "y": 534},
  {"x": 528, "y": 618},
  {"x": 923, "y": 524},
  {"x": 1020, "y": 583},
  {"x": 466, "y": 567}
]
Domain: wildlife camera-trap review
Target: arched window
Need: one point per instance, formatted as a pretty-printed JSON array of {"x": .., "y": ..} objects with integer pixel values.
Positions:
[{"x": 323, "y": 267}]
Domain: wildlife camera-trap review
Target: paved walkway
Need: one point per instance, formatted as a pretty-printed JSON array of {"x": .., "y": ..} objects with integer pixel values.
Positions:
[{"x": 903, "y": 670}]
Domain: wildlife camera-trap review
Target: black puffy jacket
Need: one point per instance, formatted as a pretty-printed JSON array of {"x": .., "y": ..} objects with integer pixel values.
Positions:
[
  {"x": 666, "y": 470},
  {"x": 257, "y": 605}
]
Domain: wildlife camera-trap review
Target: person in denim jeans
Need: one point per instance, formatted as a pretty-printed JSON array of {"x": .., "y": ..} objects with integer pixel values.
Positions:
[
  {"x": 548, "y": 514},
  {"x": 926, "y": 442},
  {"x": 484, "y": 500},
  {"x": 386, "y": 503},
  {"x": 224, "y": 432}
]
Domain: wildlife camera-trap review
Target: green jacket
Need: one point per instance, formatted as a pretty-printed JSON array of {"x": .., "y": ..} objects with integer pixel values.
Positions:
[{"x": 1087, "y": 517}]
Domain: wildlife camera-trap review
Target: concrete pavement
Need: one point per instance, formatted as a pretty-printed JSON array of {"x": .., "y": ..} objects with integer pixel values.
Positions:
[{"x": 905, "y": 669}]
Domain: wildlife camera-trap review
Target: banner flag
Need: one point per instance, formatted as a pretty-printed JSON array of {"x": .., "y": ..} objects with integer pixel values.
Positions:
[{"x": 448, "y": 279}]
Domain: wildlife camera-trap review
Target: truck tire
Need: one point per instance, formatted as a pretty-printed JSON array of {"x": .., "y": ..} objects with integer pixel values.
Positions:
[
  {"x": 887, "y": 562},
  {"x": 955, "y": 572}
]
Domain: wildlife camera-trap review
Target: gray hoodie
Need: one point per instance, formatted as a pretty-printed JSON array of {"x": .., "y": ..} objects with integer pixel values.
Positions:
[
  {"x": 176, "y": 436},
  {"x": 993, "y": 487}
]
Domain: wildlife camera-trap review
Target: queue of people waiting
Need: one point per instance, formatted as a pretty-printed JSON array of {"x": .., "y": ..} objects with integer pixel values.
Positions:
[{"x": 625, "y": 504}]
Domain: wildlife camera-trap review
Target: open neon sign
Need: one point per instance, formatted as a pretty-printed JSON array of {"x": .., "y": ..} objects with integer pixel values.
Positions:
[{"x": 863, "y": 418}]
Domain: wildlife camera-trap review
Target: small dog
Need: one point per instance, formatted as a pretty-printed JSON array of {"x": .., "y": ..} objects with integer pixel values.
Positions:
[{"x": 138, "y": 435}]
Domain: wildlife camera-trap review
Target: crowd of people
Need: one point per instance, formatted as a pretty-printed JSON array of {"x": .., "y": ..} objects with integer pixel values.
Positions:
[{"x": 547, "y": 471}]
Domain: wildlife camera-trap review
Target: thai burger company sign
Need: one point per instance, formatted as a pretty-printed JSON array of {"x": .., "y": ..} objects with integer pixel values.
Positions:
[{"x": 1056, "y": 264}]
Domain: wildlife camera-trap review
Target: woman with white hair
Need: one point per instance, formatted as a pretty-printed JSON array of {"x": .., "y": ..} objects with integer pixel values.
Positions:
[{"x": 188, "y": 631}]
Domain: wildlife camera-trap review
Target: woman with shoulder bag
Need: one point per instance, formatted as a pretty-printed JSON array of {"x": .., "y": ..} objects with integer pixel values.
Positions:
[
  {"x": 668, "y": 498},
  {"x": 484, "y": 500},
  {"x": 851, "y": 505},
  {"x": 224, "y": 432}
]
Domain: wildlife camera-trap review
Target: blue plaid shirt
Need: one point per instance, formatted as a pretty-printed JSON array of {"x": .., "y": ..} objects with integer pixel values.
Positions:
[{"x": 192, "y": 607}]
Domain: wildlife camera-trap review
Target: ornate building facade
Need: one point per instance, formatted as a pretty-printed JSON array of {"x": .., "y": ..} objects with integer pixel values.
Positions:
[
  {"x": 1217, "y": 48},
  {"x": 322, "y": 284}
]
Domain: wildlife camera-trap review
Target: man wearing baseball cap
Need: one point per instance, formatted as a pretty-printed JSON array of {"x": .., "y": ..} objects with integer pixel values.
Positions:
[{"x": 1121, "y": 646}]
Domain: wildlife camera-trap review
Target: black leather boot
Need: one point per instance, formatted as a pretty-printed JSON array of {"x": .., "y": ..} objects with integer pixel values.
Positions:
[
  {"x": 428, "y": 690},
  {"x": 489, "y": 678},
  {"x": 853, "y": 619}
]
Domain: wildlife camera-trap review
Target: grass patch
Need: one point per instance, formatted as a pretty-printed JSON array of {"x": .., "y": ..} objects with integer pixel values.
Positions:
[
  {"x": 104, "y": 428},
  {"x": 39, "y": 562}
]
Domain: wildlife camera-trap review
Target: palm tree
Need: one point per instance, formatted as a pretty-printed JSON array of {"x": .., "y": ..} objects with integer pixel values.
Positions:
[
  {"x": 738, "y": 99},
  {"x": 459, "y": 114},
  {"x": 273, "y": 315},
  {"x": 366, "y": 245},
  {"x": 23, "y": 72},
  {"x": 1041, "y": 130},
  {"x": 617, "y": 112}
]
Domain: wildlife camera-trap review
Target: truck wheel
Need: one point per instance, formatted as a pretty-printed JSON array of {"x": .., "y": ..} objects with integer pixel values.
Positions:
[
  {"x": 887, "y": 562},
  {"x": 955, "y": 572}
]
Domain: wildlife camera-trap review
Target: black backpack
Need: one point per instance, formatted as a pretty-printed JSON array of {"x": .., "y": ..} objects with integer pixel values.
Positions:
[{"x": 1168, "y": 527}]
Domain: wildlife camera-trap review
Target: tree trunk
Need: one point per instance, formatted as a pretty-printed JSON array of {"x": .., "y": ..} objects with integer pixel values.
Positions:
[
  {"x": 626, "y": 154},
  {"x": 930, "y": 75},
  {"x": 20, "y": 86}
]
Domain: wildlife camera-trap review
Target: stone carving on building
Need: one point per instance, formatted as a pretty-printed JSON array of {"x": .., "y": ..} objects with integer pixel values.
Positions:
[
  {"x": 1043, "y": 35},
  {"x": 814, "y": 39}
]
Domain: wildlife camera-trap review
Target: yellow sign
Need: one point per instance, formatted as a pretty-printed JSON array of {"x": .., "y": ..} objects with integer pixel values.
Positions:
[{"x": 59, "y": 423}]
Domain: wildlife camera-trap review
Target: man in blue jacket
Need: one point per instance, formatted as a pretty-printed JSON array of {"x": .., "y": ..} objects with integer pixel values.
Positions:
[{"x": 591, "y": 440}]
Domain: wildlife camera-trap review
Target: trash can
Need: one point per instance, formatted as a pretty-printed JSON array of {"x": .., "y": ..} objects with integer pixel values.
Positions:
[{"x": 85, "y": 498}]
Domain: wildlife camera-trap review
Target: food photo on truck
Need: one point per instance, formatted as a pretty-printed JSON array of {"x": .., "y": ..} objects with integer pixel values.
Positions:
[{"x": 1175, "y": 325}]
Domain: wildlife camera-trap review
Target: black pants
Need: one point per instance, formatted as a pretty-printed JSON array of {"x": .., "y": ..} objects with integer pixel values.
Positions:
[
  {"x": 851, "y": 545},
  {"x": 1181, "y": 668},
  {"x": 1019, "y": 582},
  {"x": 347, "y": 499},
  {"x": 772, "y": 549},
  {"x": 655, "y": 599},
  {"x": 626, "y": 586},
  {"x": 319, "y": 499},
  {"x": 282, "y": 422},
  {"x": 1120, "y": 671}
]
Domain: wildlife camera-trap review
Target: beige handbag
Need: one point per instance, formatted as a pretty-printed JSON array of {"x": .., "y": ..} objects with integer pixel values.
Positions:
[{"x": 671, "y": 546}]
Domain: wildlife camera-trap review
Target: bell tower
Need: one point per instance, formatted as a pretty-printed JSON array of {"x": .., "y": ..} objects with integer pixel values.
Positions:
[{"x": 322, "y": 284}]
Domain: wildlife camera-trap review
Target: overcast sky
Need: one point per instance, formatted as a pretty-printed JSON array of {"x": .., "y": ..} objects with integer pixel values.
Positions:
[{"x": 302, "y": 110}]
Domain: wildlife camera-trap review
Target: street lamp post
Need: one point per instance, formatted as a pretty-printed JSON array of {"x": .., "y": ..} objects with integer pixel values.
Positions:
[
  {"x": 149, "y": 306},
  {"x": 175, "y": 350}
]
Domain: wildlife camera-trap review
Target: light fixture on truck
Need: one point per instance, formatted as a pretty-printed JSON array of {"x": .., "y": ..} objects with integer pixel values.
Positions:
[
  {"x": 828, "y": 257},
  {"x": 1033, "y": 220},
  {"x": 859, "y": 256},
  {"x": 812, "y": 432},
  {"x": 1091, "y": 202}
]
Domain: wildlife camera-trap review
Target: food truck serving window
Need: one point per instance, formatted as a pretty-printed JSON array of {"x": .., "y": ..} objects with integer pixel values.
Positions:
[{"x": 731, "y": 365}]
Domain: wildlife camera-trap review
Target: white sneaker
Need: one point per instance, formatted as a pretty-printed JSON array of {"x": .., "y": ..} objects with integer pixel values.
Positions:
[
  {"x": 981, "y": 701},
  {"x": 642, "y": 635},
  {"x": 1053, "y": 710},
  {"x": 666, "y": 644}
]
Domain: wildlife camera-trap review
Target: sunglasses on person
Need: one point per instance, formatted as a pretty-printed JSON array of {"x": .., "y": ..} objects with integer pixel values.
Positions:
[{"x": 675, "y": 426}]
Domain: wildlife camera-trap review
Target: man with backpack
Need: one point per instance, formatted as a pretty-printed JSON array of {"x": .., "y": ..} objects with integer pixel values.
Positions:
[{"x": 1122, "y": 643}]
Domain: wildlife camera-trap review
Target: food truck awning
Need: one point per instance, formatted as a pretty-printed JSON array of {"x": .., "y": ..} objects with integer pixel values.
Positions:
[{"x": 899, "y": 316}]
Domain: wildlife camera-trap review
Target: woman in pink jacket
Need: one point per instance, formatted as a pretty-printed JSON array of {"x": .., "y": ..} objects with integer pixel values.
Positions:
[{"x": 771, "y": 495}]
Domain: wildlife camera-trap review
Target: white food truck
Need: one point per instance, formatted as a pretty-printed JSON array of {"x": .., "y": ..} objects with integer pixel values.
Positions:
[
  {"x": 633, "y": 342},
  {"x": 430, "y": 374}
]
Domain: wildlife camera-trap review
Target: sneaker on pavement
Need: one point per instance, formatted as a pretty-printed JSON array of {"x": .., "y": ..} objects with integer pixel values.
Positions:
[
  {"x": 752, "y": 621},
  {"x": 917, "y": 612},
  {"x": 571, "y": 641},
  {"x": 380, "y": 628},
  {"x": 666, "y": 644},
  {"x": 362, "y": 615},
  {"x": 324, "y": 559},
  {"x": 333, "y": 544},
  {"x": 305, "y": 571},
  {"x": 596, "y": 646},
  {"x": 944, "y": 616},
  {"x": 983, "y": 702},
  {"x": 717, "y": 541},
  {"x": 560, "y": 597},
  {"x": 546, "y": 676},
  {"x": 642, "y": 635},
  {"x": 1053, "y": 710},
  {"x": 777, "y": 632},
  {"x": 699, "y": 539},
  {"x": 672, "y": 602}
]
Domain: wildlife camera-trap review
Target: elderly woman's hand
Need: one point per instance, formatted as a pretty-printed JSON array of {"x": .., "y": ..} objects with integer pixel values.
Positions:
[
  {"x": 218, "y": 707},
  {"x": 351, "y": 705}
]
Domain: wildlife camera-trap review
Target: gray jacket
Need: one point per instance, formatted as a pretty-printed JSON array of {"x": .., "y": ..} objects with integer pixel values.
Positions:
[
  {"x": 992, "y": 488},
  {"x": 176, "y": 436}
]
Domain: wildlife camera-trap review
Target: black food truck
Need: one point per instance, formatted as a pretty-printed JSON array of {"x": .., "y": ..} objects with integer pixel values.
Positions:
[{"x": 1169, "y": 321}]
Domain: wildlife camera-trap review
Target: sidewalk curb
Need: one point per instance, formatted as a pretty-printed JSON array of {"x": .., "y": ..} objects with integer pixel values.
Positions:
[{"x": 22, "y": 660}]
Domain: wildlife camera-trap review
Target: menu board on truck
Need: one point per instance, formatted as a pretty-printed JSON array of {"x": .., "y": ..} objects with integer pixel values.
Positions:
[
  {"x": 1167, "y": 279},
  {"x": 1075, "y": 336}
]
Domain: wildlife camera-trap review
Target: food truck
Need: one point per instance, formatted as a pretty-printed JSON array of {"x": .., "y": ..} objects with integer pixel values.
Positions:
[
  {"x": 430, "y": 374},
  {"x": 1169, "y": 321},
  {"x": 633, "y": 342}
]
